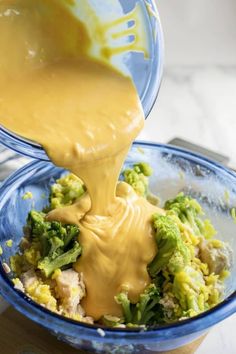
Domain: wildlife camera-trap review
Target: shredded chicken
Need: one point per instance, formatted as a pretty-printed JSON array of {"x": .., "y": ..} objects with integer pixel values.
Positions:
[
  {"x": 28, "y": 278},
  {"x": 70, "y": 290},
  {"x": 217, "y": 258},
  {"x": 169, "y": 304}
]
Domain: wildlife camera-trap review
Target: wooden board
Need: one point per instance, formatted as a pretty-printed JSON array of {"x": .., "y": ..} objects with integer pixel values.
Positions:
[{"x": 18, "y": 335}]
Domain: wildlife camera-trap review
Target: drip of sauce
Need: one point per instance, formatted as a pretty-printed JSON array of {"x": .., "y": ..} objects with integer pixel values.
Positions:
[
  {"x": 86, "y": 115},
  {"x": 135, "y": 32}
]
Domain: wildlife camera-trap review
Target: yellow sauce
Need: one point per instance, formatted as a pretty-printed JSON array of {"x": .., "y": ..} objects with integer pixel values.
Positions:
[{"x": 86, "y": 115}]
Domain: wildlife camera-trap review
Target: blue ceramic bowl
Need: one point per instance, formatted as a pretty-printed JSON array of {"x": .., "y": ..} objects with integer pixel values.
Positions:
[{"x": 175, "y": 170}]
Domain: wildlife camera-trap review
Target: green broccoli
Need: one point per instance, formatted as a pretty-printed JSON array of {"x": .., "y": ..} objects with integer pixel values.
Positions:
[
  {"x": 123, "y": 300},
  {"x": 36, "y": 224},
  {"x": 146, "y": 312},
  {"x": 137, "y": 177},
  {"x": 58, "y": 243},
  {"x": 189, "y": 211},
  {"x": 48, "y": 264},
  {"x": 144, "y": 168},
  {"x": 66, "y": 191},
  {"x": 37, "y": 228},
  {"x": 172, "y": 253}
]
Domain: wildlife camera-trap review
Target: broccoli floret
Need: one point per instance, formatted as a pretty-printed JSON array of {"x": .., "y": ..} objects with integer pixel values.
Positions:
[
  {"x": 189, "y": 211},
  {"x": 123, "y": 300},
  {"x": 57, "y": 244},
  {"x": 66, "y": 191},
  {"x": 49, "y": 264},
  {"x": 36, "y": 224},
  {"x": 146, "y": 308},
  {"x": 146, "y": 312},
  {"x": 36, "y": 231},
  {"x": 172, "y": 253},
  {"x": 179, "y": 259},
  {"x": 144, "y": 168},
  {"x": 137, "y": 177},
  {"x": 72, "y": 232}
]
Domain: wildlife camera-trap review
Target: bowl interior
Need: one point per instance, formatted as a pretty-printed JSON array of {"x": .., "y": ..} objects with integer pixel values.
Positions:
[{"x": 174, "y": 170}]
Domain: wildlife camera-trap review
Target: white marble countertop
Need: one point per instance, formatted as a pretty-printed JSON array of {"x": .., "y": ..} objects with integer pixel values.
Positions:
[{"x": 199, "y": 105}]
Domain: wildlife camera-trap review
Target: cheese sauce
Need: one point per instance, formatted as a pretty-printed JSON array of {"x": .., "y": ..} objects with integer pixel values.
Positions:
[{"x": 86, "y": 116}]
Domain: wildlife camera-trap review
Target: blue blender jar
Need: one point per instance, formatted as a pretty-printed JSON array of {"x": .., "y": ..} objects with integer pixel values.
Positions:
[{"x": 134, "y": 33}]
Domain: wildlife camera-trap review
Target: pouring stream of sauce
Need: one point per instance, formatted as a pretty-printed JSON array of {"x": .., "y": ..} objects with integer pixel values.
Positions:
[{"x": 86, "y": 116}]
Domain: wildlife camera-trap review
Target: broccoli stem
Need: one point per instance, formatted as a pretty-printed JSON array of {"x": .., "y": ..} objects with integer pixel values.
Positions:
[
  {"x": 123, "y": 300},
  {"x": 145, "y": 311},
  {"x": 47, "y": 266}
]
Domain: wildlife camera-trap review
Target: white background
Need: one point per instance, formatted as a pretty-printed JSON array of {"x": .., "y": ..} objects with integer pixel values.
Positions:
[{"x": 197, "y": 100}]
